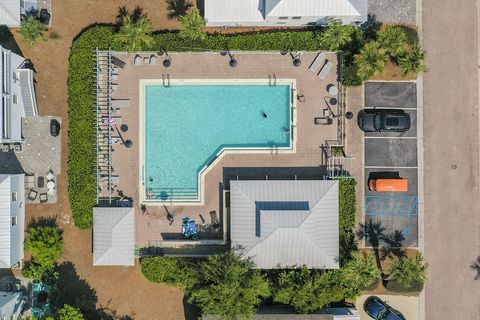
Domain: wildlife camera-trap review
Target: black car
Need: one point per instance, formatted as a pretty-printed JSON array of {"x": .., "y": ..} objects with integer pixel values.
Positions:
[
  {"x": 383, "y": 120},
  {"x": 379, "y": 310},
  {"x": 54, "y": 128}
]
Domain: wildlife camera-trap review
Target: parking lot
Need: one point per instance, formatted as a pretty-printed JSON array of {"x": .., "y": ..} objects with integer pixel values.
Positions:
[{"x": 393, "y": 155}]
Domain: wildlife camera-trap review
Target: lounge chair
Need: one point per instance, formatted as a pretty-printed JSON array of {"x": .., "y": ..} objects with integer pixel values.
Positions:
[
  {"x": 137, "y": 60},
  {"x": 29, "y": 181},
  {"x": 323, "y": 121},
  {"x": 317, "y": 62},
  {"x": 325, "y": 70},
  {"x": 120, "y": 102},
  {"x": 43, "y": 198},
  {"x": 153, "y": 59},
  {"x": 50, "y": 175},
  {"x": 32, "y": 195}
]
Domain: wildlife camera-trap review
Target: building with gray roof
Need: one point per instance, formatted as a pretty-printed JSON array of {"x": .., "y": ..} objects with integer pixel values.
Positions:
[{"x": 286, "y": 223}]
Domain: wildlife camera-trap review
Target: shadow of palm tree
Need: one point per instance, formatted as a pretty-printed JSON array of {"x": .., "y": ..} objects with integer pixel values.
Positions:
[
  {"x": 394, "y": 245},
  {"x": 178, "y": 8},
  {"x": 43, "y": 222},
  {"x": 476, "y": 267},
  {"x": 373, "y": 232},
  {"x": 123, "y": 11},
  {"x": 70, "y": 289}
]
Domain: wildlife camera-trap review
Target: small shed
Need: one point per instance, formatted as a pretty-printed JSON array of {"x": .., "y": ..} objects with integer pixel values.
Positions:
[{"x": 113, "y": 236}]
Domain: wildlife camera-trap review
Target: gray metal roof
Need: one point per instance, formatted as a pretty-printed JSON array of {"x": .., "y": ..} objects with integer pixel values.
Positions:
[
  {"x": 113, "y": 236},
  {"x": 286, "y": 223},
  {"x": 10, "y": 13}
]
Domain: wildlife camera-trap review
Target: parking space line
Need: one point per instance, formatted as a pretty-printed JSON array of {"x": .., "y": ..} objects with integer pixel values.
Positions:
[
  {"x": 367, "y": 137},
  {"x": 386, "y": 167}
]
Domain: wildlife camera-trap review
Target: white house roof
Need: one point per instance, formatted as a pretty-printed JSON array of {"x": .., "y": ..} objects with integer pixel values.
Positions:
[
  {"x": 11, "y": 304},
  {"x": 113, "y": 236},
  {"x": 10, "y": 12},
  {"x": 316, "y": 8},
  {"x": 251, "y": 11},
  {"x": 5, "y": 228},
  {"x": 286, "y": 223}
]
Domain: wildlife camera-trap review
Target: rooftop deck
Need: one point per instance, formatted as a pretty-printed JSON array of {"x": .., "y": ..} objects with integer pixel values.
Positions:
[{"x": 308, "y": 162}]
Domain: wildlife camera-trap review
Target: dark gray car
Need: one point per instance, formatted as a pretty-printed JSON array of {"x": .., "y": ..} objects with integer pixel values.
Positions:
[{"x": 383, "y": 120}]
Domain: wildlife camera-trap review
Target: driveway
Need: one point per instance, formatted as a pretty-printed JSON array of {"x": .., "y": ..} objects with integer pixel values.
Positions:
[
  {"x": 393, "y": 155},
  {"x": 408, "y": 306}
]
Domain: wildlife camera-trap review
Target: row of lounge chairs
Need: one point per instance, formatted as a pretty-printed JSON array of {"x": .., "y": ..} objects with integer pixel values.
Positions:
[{"x": 322, "y": 63}]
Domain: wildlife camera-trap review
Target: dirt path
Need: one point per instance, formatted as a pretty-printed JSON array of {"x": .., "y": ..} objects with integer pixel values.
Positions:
[{"x": 125, "y": 291}]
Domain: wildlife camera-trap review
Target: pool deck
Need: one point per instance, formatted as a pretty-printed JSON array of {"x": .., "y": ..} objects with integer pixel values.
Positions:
[{"x": 153, "y": 227}]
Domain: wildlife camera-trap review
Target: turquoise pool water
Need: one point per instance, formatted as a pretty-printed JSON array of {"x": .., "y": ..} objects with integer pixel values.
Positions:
[{"x": 187, "y": 125}]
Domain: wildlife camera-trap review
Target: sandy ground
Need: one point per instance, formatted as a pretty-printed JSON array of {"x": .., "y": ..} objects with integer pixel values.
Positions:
[
  {"x": 451, "y": 153},
  {"x": 125, "y": 291}
]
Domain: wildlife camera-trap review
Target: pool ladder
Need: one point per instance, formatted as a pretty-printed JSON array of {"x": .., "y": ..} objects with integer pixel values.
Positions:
[
  {"x": 274, "y": 150},
  {"x": 166, "y": 80},
  {"x": 272, "y": 80}
]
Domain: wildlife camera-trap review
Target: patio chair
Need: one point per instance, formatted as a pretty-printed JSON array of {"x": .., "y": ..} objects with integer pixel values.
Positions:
[
  {"x": 51, "y": 191},
  {"x": 43, "y": 198},
  {"x": 317, "y": 62},
  {"x": 137, "y": 60},
  {"x": 325, "y": 70},
  {"x": 214, "y": 219},
  {"x": 32, "y": 195},
  {"x": 153, "y": 59},
  {"x": 50, "y": 175},
  {"x": 323, "y": 121},
  {"x": 29, "y": 181}
]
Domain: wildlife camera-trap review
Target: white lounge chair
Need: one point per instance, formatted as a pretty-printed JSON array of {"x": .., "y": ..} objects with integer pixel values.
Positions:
[
  {"x": 137, "y": 60},
  {"x": 120, "y": 102},
  {"x": 323, "y": 121},
  {"x": 317, "y": 62},
  {"x": 325, "y": 70},
  {"x": 153, "y": 59}
]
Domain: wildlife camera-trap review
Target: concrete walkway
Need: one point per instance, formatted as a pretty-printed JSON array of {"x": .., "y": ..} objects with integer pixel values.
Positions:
[{"x": 451, "y": 153}]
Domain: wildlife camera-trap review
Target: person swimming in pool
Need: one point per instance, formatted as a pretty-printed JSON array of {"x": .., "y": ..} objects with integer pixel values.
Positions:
[{"x": 264, "y": 114}]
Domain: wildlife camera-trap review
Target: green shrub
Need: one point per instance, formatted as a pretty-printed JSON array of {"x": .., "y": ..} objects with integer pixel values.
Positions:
[
  {"x": 413, "y": 61},
  {"x": 350, "y": 76},
  {"x": 393, "y": 40},
  {"x": 371, "y": 60},
  {"x": 31, "y": 30},
  {"x": 347, "y": 218},
  {"x": 45, "y": 243},
  {"x": 67, "y": 312},
  {"x": 361, "y": 272},
  {"x": 37, "y": 271},
  {"x": 308, "y": 290},
  {"x": 228, "y": 285},
  {"x": 407, "y": 274},
  {"x": 169, "y": 270}
]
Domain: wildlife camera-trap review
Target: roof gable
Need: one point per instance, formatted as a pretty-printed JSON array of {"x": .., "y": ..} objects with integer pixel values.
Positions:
[
  {"x": 5, "y": 228},
  {"x": 315, "y": 8}
]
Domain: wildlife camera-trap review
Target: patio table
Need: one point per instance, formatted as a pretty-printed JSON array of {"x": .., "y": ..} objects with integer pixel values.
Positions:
[
  {"x": 51, "y": 184},
  {"x": 333, "y": 90}
]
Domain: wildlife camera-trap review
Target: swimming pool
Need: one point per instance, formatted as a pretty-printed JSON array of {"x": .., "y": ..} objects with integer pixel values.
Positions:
[{"x": 188, "y": 125}]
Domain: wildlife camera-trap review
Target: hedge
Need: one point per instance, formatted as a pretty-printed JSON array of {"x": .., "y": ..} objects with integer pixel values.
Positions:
[
  {"x": 347, "y": 218},
  {"x": 81, "y": 96}
]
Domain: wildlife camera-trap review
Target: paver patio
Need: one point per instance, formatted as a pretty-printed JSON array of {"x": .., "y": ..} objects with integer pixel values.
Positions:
[{"x": 310, "y": 137}]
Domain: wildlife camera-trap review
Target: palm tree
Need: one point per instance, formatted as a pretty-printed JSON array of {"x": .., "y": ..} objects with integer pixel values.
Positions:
[
  {"x": 192, "y": 25},
  {"x": 336, "y": 35},
  {"x": 178, "y": 8},
  {"x": 135, "y": 35},
  {"x": 31, "y": 30},
  {"x": 412, "y": 62},
  {"x": 371, "y": 60},
  {"x": 408, "y": 274},
  {"x": 393, "y": 40},
  {"x": 373, "y": 232},
  {"x": 362, "y": 271}
]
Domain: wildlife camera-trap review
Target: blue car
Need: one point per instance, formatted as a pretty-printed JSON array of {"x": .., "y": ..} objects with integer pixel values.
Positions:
[{"x": 379, "y": 310}]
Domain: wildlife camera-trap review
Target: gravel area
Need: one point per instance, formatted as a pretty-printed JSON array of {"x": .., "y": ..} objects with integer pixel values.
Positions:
[{"x": 393, "y": 11}]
